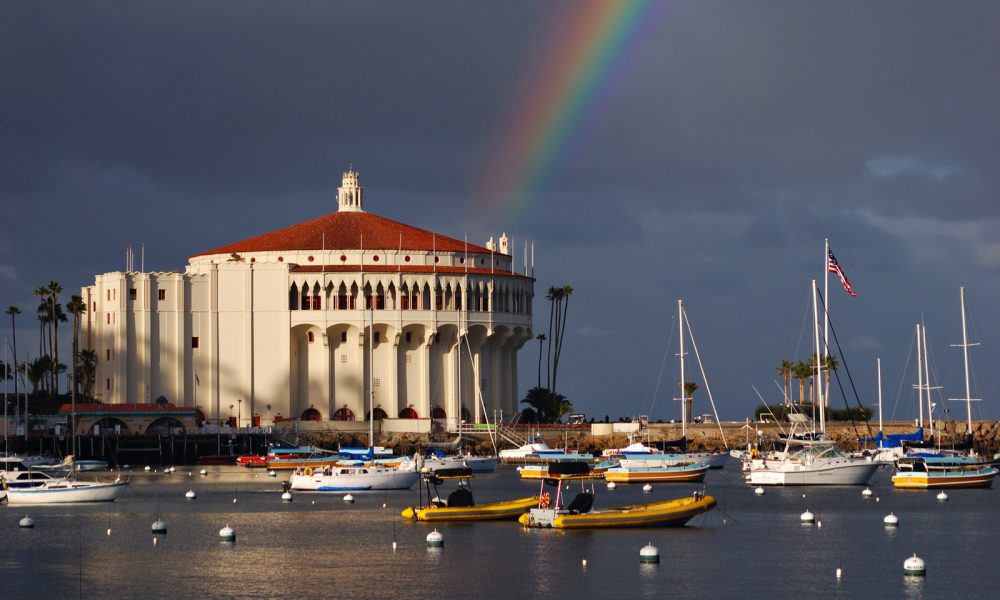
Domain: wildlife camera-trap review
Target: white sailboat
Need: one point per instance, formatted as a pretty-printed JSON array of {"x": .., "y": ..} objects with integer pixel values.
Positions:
[
  {"x": 811, "y": 459},
  {"x": 358, "y": 477},
  {"x": 66, "y": 490}
]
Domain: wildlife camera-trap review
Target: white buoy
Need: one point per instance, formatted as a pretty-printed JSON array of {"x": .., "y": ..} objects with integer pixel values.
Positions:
[
  {"x": 154, "y": 540},
  {"x": 26, "y": 523},
  {"x": 839, "y": 573},
  {"x": 109, "y": 532},
  {"x": 394, "y": 546},
  {"x": 286, "y": 497},
  {"x": 867, "y": 493},
  {"x": 272, "y": 473},
  {"x": 149, "y": 468},
  {"x": 227, "y": 534},
  {"x": 891, "y": 520},
  {"x": 383, "y": 505},
  {"x": 190, "y": 495},
  {"x": 204, "y": 472},
  {"x": 612, "y": 485},
  {"x": 759, "y": 491},
  {"x": 234, "y": 500},
  {"x": 914, "y": 566},
  {"x": 348, "y": 498},
  {"x": 647, "y": 488},
  {"x": 649, "y": 554},
  {"x": 159, "y": 526},
  {"x": 435, "y": 539},
  {"x": 942, "y": 497},
  {"x": 807, "y": 517},
  {"x": 462, "y": 483},
  {"x": 584, "y": 562},
  {"x": 189, "y": 473}
]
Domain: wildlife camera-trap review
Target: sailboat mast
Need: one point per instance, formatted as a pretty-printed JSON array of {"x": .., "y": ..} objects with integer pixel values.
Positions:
[
  {"x": 927, "y": 380},
  {"x": 878, "y": 367},
  {"x": 965, "y": 357},
  {"x": 819, "y": 367},
  {"x": 680, "y": 327},
  {"x": 920, "y": 378}
]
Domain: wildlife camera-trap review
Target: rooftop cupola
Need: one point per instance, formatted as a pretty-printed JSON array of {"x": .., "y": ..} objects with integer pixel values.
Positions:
[{"x": 350, "y": 193}]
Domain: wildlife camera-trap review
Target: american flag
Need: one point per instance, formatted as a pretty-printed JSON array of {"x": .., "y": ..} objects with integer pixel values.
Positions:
[{"x": 835, "y": 268}]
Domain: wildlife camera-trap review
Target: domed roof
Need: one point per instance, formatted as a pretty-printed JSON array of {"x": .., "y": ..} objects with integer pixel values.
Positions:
[{"x": 348, "y": 231}]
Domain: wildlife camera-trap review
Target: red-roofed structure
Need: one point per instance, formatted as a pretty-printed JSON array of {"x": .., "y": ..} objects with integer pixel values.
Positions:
[{"x": 320, "y": 321}]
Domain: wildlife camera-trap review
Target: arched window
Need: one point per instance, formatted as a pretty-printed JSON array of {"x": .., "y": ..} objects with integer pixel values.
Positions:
[
  {"x": 408, "y": 413},
  {"x": 343, "y": 414},
  {"x": 379, "y": 414},
  {"x": 438, "y": 413},
  {"x": 311, "y": 414},
  {"x": 293, "y": 297},
  {"x": 310, "y": 336}
]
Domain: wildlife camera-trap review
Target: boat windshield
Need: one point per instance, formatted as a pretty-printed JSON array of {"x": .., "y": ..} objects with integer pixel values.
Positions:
[{"x": 812, "y": 452}]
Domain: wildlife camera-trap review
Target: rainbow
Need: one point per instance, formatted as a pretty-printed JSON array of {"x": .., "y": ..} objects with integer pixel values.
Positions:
[{"x": 576, "y": 73}]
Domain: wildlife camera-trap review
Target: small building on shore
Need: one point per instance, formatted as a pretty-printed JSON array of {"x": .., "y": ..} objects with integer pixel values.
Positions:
[{"x": 317, "y": 322}]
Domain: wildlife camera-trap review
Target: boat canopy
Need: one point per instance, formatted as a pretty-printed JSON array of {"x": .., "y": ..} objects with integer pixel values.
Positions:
[{"x": 895, "y": 440}]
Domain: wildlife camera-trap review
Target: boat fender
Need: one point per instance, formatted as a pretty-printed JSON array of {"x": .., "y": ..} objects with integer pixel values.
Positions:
[
  {"x": 545, "y": 500},
  {"x": 308, "y": 472}
]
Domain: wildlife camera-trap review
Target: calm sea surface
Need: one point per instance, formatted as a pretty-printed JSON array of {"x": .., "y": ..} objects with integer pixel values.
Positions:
[{"x": 320, "y": 547}]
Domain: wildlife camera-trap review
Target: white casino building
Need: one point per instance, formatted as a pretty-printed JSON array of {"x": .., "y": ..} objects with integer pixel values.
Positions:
[{"x": 279, "y": 325}]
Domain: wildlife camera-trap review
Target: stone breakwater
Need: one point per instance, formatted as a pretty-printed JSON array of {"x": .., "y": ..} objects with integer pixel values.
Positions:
[{"x": 701, "y": 436}]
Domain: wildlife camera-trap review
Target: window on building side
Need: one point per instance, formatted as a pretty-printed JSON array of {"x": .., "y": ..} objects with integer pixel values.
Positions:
[
  {"x": 408, "y": 359},
  {"x": 377, "y": 383},
  {"x": 132, "y": 294},
  {"x": 343, "y": 336},
  {"x": 109, "y": 295},
  {"x": 108, "y": 353},
  {"x": 107, "y": 384},
  {"x": 404, "y": 302},
  {"x": 109, "y": 318},
  {"x": 311, "y": 337},
  {"x": 317, "y": 305},
  {"x": 343, "y": 358},
  {"x": 195, "y": 342},
  {"x": 163, "y": 294}
]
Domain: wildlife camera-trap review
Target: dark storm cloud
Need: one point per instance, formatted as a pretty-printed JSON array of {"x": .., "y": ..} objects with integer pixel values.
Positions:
[{"x": 732, "y": 140}]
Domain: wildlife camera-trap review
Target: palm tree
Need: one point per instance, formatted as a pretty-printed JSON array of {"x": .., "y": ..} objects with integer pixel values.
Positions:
[
  {"x": 830, "y": 363},
  {"x": 87, "y": 372},
  {"x": 689, "y": 389},
  {"x": 561, "y": 307},
  {"x": 785, "y": 370},
  {"x": 551, "y": 296},
  {"x": 56, "y": 314},
  {"x": 13, "y": 311},
  {"x": 76, "y": 307},
  {"x": 38, "y": 371},
  {"x": 548, "y": 407},
  {"x": 541, "y": 342},
  {"x": 802, "y": 371},
  {"x": 42, "y": 314}
]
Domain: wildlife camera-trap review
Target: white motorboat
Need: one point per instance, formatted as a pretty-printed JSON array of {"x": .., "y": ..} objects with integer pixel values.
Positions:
[
  {"x": 812, "y": 462},
  {"x": 64, "y": 491},
  {"x": 351, "y": 479},
  {"x": 480, "y": 464},
  {"x": 535, "y": 445},
  {"x": 714, "y": 460}
]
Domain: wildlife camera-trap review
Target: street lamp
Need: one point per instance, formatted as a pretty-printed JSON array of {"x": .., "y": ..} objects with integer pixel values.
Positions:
[
  {"x": 230, "y": 411},
  {"x": 239, "y": 406}
]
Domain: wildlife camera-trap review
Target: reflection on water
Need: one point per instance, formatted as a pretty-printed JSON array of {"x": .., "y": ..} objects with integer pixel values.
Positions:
[{"x": 320, "y": 546}]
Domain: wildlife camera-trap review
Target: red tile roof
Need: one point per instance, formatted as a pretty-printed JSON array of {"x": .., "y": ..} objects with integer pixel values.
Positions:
[
  {"x": 343, "y": 231},
  {"x": 403, "y": 269}
]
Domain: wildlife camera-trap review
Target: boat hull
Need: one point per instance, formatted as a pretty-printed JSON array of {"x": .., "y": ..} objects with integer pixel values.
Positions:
[
  {"x": 839, "y": 474},
  {"x": 672, "y": 513},
  {"x": 354, "y": 479},
  {"x": 492, "y": 511},
  {"x": 983, "y": 478},
  {"x": 73, "y": 493},
  {"x": 673, "y": 473}
]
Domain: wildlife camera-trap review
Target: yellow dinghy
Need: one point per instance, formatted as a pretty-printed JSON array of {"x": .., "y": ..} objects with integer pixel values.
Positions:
[
  {"x": 460, "y": 505},
  {"x": 507, "y": 509},
  {"x": 669, "y": 513}
]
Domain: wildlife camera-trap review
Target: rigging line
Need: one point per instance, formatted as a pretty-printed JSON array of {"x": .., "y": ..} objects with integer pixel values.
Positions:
[
  {"x": 663, "y": 365},
  {"x": 906, "y": 369},
  {"x": 989, "y": 359},
  {"x": 704, "y": 378},
  {"x": 843, "y": 361}
]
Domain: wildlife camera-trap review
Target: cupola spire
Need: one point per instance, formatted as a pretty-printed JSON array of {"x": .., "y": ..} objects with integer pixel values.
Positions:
[{"x": 350, "y": 193}]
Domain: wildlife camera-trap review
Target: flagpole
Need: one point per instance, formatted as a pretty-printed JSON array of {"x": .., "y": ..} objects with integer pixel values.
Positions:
[{"x": 826, "y": 303}]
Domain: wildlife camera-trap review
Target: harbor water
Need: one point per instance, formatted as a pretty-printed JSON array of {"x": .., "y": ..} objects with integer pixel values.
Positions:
[{"x": 318, "y": 546}]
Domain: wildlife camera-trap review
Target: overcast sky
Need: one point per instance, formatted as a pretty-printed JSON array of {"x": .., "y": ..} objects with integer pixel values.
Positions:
[{"x": 729, "y": 140}]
